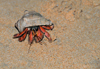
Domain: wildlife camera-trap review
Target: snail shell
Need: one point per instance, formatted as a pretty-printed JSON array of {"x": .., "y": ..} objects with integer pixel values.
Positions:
[{"x": 31, "y": 19}]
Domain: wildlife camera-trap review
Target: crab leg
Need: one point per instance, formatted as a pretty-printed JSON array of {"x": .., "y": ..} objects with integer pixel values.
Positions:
[
  {"x": 30, "y": 37},
  {"x": 35, "y": 37},
  {"x": 39, "y": 36},
  {"x": 46, "y": 33},
  {"x": 48, "y": 27},
  {"x": 21, "y": 33},
  {"x": 22, "y": 37}
]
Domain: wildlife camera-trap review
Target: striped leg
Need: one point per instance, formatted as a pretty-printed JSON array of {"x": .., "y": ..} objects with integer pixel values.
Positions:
[
  {"x": 23, "y": 37},
  {"x": 48, "y": 27},
  {"x": 39, "y": 36},
  {"x": 30, "y": 37},
  {"x": 21, "y": 33},
  {"x": 46, "y": 33}
]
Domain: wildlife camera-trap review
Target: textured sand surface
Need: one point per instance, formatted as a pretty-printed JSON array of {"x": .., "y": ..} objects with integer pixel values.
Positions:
[{"x": 77, "y": 34}]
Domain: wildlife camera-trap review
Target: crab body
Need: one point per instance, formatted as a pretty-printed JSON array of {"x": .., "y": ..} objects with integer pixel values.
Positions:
[{"x": 35, "y": 25}]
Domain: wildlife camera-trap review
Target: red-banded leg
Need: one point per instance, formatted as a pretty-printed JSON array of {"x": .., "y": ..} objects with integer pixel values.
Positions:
[
  {"x": 23, "y": 37},
  {"x": 48, "y": 27},
  {"x": 46, "y": 33},
  {"x": 30, "y": 37},
  {"x": 21, "y": 33},
  {"x": 38, "y": 36}
]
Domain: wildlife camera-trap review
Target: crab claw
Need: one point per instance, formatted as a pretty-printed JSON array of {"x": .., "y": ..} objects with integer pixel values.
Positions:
[
  {"x": 23, "y": 37},
  {"x": 46, "y": 33},
  {"x": 21, "y": 33},
  {"x": 30, "y": 37},
  {"x": 48, "y": 27},
  {"x": 39, "y": 36}
]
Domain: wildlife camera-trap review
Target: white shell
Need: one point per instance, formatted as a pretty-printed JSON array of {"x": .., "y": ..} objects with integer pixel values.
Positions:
[{"x": 31, "y": 19}]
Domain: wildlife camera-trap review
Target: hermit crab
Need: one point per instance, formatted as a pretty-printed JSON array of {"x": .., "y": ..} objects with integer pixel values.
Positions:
[{"x": 35, "y": 25}]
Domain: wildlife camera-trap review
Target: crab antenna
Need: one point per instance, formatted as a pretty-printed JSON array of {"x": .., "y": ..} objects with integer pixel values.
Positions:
[{"x": 29, "y": 48}]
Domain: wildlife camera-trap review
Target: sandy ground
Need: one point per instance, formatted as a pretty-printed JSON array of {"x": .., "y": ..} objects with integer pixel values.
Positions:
[{"x": 77, "y": 34}]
